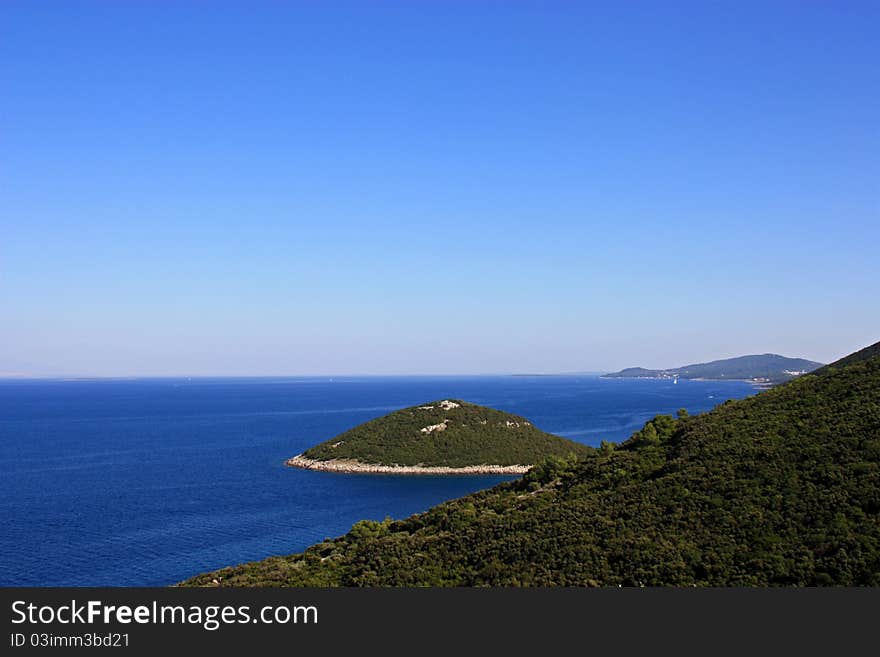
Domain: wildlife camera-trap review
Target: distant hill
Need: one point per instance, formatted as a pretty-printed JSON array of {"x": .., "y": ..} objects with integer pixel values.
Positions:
[
  {"x": 779, "y": 489},
  {"x": 763, "y": 368},
  {"x": 449, "y": 433}
]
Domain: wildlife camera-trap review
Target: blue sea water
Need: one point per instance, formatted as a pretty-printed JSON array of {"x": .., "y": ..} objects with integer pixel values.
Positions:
[{"x": 147, "y": 482}]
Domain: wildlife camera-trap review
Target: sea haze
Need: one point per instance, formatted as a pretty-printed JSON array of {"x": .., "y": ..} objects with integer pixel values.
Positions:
[{"x": 147, "y": 482}]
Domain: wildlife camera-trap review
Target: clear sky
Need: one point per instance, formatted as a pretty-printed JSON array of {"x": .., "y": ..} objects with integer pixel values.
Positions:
[{"x": 265, "y": 188}]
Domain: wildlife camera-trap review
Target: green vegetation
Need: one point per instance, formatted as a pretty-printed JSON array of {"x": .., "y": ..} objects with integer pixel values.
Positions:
[
  {"x": 448, "y": 433},
  {"x": 782, "y": 488},
  {"x": 768, "y": 367},
  {"x": 857, "y": 357}
]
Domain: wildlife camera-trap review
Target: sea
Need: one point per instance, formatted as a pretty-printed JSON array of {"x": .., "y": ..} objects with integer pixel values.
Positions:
[{"x": 145, "y": 482}]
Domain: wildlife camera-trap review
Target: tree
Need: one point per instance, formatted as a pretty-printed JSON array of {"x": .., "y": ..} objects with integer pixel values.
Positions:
[
  {"x": 649, "y": 435},
  {"x": 366, "y": 529}
]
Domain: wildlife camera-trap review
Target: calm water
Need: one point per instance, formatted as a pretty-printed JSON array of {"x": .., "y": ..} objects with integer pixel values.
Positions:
[{"x": 147, "y": 482}]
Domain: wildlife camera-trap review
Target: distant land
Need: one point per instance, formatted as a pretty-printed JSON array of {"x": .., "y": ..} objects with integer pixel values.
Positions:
[
  {"x": 449, "y": 436},
  {"x": 766, "y": 369},
  {"x": 779, "y": 489}
]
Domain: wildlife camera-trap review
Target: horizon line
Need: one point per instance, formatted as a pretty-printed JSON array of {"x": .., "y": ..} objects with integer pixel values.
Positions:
[{"x": 131, "y": 377}]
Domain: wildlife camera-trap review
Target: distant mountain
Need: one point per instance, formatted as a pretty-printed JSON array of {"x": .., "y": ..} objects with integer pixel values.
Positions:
[
  {"x": 449, "y": 436},
  {"x": 778, "y": 489},
  {"x": 763, "y": 368}
]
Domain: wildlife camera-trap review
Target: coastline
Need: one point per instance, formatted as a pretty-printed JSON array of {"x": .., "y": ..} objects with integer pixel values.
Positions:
[
  {"x": 348, "y": 466},
  {"x": 757, "y": 384}
]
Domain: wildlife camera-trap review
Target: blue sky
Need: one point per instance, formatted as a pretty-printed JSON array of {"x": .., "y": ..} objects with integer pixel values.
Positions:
[{"x": 457, "y": 187}]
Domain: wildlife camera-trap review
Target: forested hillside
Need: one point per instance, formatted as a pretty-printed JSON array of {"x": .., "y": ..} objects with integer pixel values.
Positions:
[{"x": 448, "y": 432}]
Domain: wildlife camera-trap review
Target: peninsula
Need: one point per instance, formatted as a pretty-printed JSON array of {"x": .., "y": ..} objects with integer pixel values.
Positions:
[
  {"x": 762, "y": 369},
  {"x": 449, "y": 436}
]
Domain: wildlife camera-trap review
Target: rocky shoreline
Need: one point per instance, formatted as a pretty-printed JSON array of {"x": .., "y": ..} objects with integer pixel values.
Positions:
[{"x": 356, "y": 467}]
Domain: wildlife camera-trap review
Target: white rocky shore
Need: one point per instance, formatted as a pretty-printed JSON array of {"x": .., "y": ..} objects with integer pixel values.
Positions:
[{"x": 354, "y": 467}]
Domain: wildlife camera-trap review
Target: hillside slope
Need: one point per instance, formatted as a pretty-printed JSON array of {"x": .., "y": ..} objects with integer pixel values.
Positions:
[
  {"x": 447, "y": 433},
  {"x": 782, "y": 488},
  {"x": 867, "y": 353}
]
